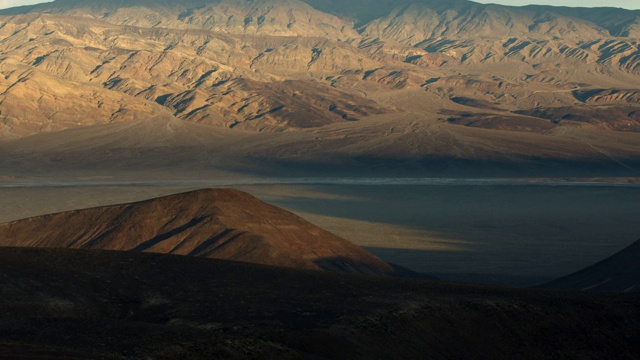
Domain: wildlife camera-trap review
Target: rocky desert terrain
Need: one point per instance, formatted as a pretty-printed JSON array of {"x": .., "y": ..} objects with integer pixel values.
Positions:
[{"x": 334, "y": 86}]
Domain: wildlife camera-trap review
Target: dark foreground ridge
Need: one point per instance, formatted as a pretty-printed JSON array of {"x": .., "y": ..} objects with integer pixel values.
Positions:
[
  {"x": 619, "y": 272},
  {"x": 76, "y": 304},
  {"x": 213, "y": 223}
]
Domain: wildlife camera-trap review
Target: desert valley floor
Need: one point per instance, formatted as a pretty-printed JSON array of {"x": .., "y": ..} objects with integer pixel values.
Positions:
[{"x": 514, "y": 232}]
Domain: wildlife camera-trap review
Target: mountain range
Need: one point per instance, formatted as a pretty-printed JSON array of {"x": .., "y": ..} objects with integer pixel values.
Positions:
[
  {"x": 287, "y": 64},
  {"x": 326, "y": 85}
]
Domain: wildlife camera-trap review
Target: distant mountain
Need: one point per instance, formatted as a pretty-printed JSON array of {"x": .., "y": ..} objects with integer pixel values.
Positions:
[
  {"x": 614, "y": 21},
  {"x": 618, "y": 22},
  {"x": 412, "y": 21},
  {"x": 222, "y": 224},
  {"x": 275, "y": 18},
  {"x": 619, "y": 272},
  {"x": 283, "y": 65},
  {"x": 69, "y": 70}
]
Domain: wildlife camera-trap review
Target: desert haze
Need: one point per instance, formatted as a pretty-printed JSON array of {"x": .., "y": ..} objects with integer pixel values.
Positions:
[{"x": 395, "y": 152}]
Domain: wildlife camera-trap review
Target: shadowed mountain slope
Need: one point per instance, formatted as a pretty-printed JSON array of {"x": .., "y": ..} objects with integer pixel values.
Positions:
[
  {"x": 222, "y": 224},
  {"x": 74, "y": 304},
  {"x": 619, "y": 272}
]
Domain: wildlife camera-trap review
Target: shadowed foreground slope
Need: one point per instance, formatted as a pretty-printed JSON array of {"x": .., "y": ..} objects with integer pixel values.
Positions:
[
  {"x": 115, "y": 305},
  {"x": 213, "y": 223},
  {"x": 619, "y": 272}
]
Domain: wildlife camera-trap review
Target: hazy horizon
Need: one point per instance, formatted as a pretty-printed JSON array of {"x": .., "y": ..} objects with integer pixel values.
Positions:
[
  {"x": 13, "y": 3},
  {"x": 626, "y": 4}
]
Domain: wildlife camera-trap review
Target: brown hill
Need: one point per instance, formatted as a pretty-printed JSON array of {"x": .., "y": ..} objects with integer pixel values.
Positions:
[
  {"x": 221, "y": 224},
  {"x": 619, "y": 272}
]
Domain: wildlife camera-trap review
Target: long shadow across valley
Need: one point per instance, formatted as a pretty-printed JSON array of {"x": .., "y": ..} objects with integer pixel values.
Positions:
[{"x": 531, "y": 232}]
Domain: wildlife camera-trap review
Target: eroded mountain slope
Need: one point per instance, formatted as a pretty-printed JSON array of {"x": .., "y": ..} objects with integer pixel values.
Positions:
[{"x": 273, "y": 66}]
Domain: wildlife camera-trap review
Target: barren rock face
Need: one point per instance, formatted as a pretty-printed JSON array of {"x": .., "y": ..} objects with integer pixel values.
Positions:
[
  {"x": 271, "y": 66},
  {"x": 221, "y": 224}
]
